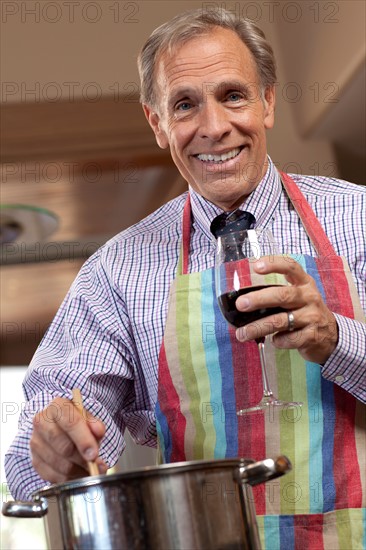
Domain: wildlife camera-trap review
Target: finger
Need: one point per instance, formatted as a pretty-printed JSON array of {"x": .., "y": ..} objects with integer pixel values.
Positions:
[
  {"x": 62, "y": 414},
  {"x": 96, "y": 426},
  {"x": 102, "y": 465},
  {"x": 315, "y": 341},
  {"x": 52, "y": 444},
  {"x": 54, "y": 467},
  {"x": 48, "y": 473},
  {"x": 285, "y": 265},
  {"x": 262, "y": 327},
  {"x": 61, "y": 457},
  {"x": 278, "y": 323},
  {"x": 285, "y": 297}
]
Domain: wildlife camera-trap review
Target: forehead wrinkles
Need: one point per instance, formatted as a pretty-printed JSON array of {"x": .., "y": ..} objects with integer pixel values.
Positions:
[{"x": 223, "y": 62}]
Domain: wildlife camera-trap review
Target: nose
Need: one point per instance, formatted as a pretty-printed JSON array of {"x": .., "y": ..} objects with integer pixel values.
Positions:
[{"x": 214, "y": 121}]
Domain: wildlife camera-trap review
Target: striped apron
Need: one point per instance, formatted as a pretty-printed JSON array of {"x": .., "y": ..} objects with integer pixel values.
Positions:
[{"x": 206, "y": 375}]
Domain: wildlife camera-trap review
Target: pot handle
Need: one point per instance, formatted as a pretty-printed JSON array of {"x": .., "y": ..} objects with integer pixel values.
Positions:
[
  {"x": 264, "y": 470},
  {"x": 20, "y": 509}
]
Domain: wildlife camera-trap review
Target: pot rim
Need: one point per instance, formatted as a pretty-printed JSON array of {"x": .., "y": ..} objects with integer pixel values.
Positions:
[{"x": 146, "y": 471}]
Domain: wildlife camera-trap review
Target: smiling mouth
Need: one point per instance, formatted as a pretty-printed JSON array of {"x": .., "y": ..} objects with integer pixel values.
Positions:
[{"x": 220, "y": 158}]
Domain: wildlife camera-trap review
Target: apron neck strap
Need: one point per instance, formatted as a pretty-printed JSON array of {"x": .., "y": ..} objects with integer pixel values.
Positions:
[
  {"x": 312, "y": 226},
  {"x": 186, "y": 237}
]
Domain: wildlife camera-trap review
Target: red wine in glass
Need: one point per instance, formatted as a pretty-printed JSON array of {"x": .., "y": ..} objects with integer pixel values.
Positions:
[{"x": 240, "y": 318}]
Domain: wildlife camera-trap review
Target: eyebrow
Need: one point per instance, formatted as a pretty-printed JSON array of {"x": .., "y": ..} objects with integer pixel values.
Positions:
[
  {"x": 181, "y": 93},
  {"x": 245, "y": 88}
]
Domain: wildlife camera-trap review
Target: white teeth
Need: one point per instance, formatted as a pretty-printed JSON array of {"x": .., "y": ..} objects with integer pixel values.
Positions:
[{"x": 220, "y": 158}]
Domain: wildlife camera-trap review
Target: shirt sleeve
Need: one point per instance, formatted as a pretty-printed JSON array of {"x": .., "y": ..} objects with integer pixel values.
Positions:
[
  {"x": 90, "y": 346},
  {"x": 347, "y": 364}
]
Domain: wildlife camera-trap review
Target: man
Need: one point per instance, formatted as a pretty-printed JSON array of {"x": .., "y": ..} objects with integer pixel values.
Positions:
[{"x": 208, "y": 94}]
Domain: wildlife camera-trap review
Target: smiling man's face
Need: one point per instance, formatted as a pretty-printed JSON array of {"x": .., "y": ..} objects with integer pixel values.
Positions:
[{"x": 213, "y": 117}]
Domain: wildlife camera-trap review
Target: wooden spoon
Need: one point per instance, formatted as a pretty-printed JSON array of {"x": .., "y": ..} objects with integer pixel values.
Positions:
[{"x": 78, "y": 402}]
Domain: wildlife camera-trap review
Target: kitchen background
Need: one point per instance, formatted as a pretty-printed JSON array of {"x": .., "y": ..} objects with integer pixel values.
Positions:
[{"x": 79, "y": 162}]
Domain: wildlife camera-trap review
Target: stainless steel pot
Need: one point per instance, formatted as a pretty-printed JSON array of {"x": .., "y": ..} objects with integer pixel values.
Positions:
[{"x": 187, "y": 505}]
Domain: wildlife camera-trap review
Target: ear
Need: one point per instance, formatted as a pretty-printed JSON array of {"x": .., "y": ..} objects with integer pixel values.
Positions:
[
  {"x": 269, "y": 102},
  {"x": 155, "y": 123}
]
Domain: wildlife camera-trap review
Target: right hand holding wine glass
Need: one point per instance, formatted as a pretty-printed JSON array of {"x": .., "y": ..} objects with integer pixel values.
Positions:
[{"x": 235, "y": 278}]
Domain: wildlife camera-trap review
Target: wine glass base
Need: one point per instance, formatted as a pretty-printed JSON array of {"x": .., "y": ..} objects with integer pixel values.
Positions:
[{"x": 267, "y": 402}]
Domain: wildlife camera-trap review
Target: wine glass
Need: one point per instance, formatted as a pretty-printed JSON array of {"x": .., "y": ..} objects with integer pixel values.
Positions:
[{"x": 234, "y": 278}]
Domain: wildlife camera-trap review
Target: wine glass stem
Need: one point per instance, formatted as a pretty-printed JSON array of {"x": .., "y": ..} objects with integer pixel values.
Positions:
[{"x": 266, "y": 389}]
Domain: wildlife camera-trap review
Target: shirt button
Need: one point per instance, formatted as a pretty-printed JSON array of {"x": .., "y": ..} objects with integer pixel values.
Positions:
[{"x": 339, "y": 378}]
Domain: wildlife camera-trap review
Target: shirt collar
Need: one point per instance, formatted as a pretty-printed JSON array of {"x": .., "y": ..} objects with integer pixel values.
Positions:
[{"x": 262, "y": 202}]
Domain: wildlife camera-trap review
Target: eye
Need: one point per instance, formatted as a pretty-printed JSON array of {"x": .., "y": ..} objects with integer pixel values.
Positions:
[
  {"x": 183, "y": 106},
  {"x": 234, "y": 97}
]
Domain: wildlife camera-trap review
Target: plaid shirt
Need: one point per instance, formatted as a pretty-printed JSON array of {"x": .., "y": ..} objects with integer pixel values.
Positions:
[{"x": 106, "y": 336}]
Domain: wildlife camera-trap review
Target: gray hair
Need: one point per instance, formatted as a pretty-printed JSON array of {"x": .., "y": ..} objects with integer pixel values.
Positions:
[{"x": 185, "y": 26}]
